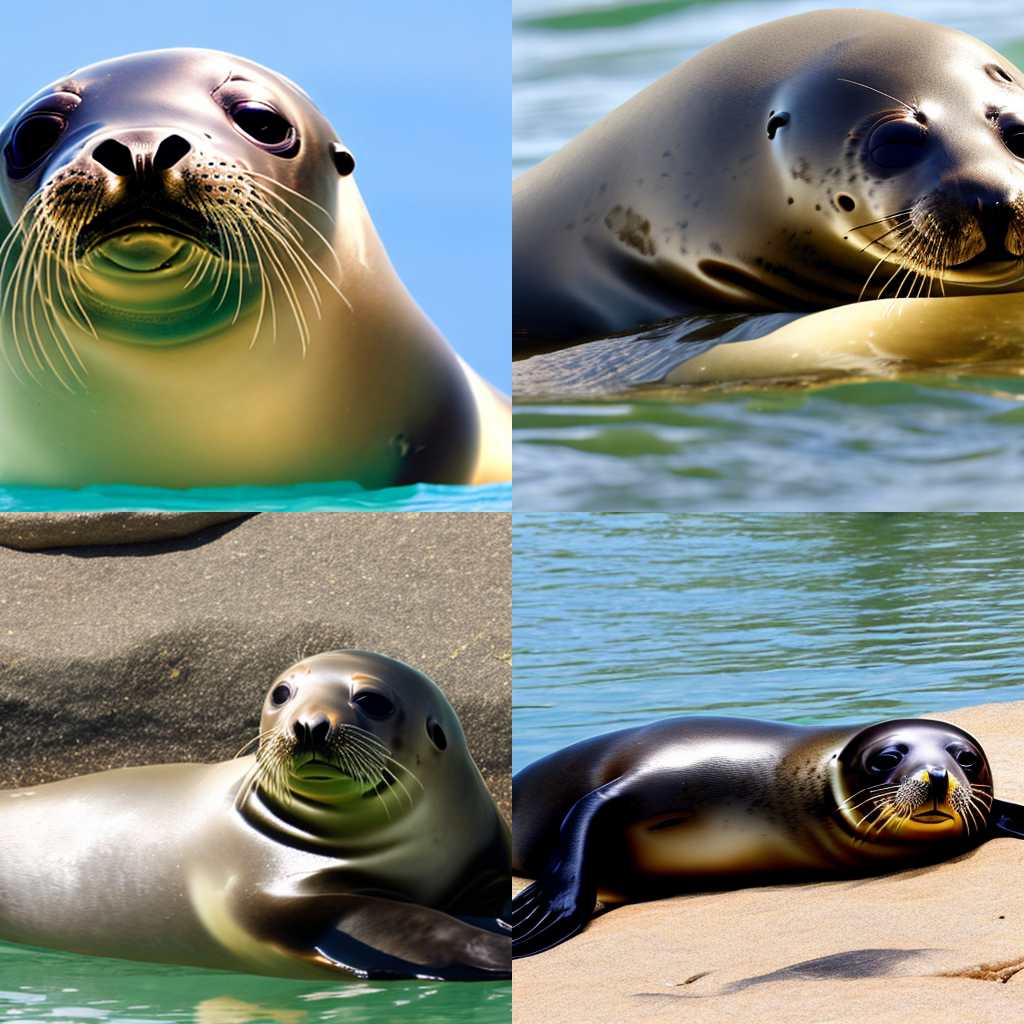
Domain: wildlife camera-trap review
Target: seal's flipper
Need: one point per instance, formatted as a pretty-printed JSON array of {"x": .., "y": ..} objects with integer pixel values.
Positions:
[
  {"x": 1006, "y": 819},
  {"x": 561, "y": 901},
  {"x": 377, "y": 938}
]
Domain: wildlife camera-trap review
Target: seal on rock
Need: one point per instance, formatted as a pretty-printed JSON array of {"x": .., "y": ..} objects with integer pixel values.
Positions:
[
  {"x": 193, "y": 294},
  {"x": 799, "y": 165},
  {"x": 688, "y": 802},
  {"x": 358, "y": 841}
]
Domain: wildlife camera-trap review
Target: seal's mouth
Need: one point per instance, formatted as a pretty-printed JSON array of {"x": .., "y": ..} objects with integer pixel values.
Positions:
[
  {"x": 145, "y": 237},
  {"x": 932, "y": 817}
]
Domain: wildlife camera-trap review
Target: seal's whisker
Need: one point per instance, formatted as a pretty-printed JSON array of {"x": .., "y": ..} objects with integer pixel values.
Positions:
[
  {"x": 298, "y": 195},
  {"x": 286, "y": 286},
  {"x": 290, "y": 207},
  {"x": 909, "y": 106},
  {"x": 881, "y": 220}
]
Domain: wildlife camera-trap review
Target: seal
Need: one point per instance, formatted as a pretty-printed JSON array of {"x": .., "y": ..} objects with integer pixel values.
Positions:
[
  {"x": 800, "y": 165},
  {"x": 193, "y": 294},
  {"x": 688, "y": 802},
  {"x": 358, "y": 841}
]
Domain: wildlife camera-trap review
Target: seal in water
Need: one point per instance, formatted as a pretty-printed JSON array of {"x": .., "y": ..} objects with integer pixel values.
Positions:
[
  {"x": 360, "y": 840},
  {"x": 800, "y": 165},
  {"x": 193, "y": 294},
  {"x": 688, "y": 802}
]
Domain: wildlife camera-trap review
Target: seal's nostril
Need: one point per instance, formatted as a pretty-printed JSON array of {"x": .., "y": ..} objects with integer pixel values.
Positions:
[
  {"x": 312, "y": 732},
  {"x": 170, "y": 151},
  {"x": 115, "y": 156},
  {"x": 301, "y": 733},
  {"x": 320, "y": 729}
]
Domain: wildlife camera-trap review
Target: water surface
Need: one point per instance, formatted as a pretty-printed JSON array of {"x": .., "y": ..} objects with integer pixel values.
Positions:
[
  {"x": 621, "y": 619},
  {"x": 41, "y": 987}
]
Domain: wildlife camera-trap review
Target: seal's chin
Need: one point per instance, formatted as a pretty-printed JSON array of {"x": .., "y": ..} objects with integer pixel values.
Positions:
[
  {"x": 987, "y": 269},
  {"x": 143, "y": 249}
]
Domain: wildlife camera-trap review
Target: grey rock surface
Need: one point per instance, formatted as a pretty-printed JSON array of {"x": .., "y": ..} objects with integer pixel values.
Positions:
[
  {"x": 36, "y": 531},
  {"x": 162, "y": 652}
]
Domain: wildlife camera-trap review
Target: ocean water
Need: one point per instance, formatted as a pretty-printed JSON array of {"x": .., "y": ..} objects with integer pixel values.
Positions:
[
  {"x": 38, "y": 986},
  {"x": 318, "y": 497},
  {"x": 622, "y": 619},
  {"x": 929, "y": 442}
]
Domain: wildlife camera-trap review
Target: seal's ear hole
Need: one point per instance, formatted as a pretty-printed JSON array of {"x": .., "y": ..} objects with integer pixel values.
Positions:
[
  {"x": 344, "y": 161},
  {"x": 776, "y": 121},
  {"x": 996, "y": 73},
  {"x": 436, "y": 734},
  {"x": 845, "y": 202}
]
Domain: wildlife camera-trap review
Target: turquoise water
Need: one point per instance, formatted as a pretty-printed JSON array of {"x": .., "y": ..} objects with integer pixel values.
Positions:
[
  {"x": 321, "y": 497},
  {"x": 39, "y": 986},
  {"x": 808, "y": 618},
  {"x": 932, "y": 442}
]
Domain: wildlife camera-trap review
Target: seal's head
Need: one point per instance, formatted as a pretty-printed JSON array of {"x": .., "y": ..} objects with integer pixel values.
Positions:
[
  {"x": 354, "y": 733},
  {"x": 912, "y": 153},
  {"x": 912, "y": 780},
  {"x": 163, "y": 197}
]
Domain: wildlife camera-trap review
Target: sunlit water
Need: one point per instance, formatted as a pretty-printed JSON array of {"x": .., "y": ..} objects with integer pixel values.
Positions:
[
  {"x": 931, "y": 443},
  {"x": 318, "y": 497},
  {"x": 622, "y": 619},
  {"x": 39, "y": 986}
]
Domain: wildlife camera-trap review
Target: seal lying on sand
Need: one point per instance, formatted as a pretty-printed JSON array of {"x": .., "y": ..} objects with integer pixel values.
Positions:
[
  {"x": 193, "y": 294},
  {"x": 359, "y": 841},
  {"x": 800, "y": 165},
  {"x": 688, "y": 802}
]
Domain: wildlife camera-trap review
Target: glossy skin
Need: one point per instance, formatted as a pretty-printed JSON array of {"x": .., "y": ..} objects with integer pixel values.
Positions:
[
  {"x": 322, "y": 875},
  {"x": 696, "y": 802},
  {"x": 196, "y": 307},
  {"x": 751, "y": 178}
]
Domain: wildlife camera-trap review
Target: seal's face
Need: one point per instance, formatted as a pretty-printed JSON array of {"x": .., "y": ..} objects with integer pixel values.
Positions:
[
  {"x": 918, "y": 167},
  {"x": 913, "y": 780},
  {"x": 355, "y": 732},
  {"x": 162, "y": 197}
]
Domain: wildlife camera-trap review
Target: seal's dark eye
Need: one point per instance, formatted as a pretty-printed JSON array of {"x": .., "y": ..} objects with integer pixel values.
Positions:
[
  {"x": 374, "y": 704},
  {"x": 263, "y": 124},
  {"x": 1011, "y": 128},
  {"x": 436, "y": 734},
  {"x": 280, "y": 694},
  {"x": 967, "y": 760},
  {"x": 777, "y": 121},
  {"x": 897, "y": 144},
  {"x": 997, "y": 74},
  {"x": 33, "y": 139},
  {"x": 884, "y": 760}
]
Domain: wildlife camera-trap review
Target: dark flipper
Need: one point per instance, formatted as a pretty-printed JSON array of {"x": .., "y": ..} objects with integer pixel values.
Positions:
[
  {"x": 1006, "y": 819},
  {"x": 561, "y": 901},
  {"x": 373, "y": 937}
]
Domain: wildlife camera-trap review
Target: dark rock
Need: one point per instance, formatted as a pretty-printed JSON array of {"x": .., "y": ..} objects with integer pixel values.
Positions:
[
  {"x": 36, "y": 531},
  {"x": 162, "y": 652}
]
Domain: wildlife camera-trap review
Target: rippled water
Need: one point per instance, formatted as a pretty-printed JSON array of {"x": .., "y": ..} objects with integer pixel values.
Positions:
[
  {"x": 809, "y": 618},
  {"x": 314, "y": 497},
  {"x": 930, "y": 442},
  {"x": 39, "y": 986}
]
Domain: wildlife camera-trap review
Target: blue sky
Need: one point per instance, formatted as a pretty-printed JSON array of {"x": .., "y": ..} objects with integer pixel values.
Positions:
[{"x": 419, "y": 91}]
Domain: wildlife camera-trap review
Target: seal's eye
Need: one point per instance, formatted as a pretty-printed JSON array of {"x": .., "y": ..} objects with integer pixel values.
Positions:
[
  {"x": 967, "y": 760},
  {"x": 264, "y": 125},
  {"x": 884, "y": 760},
  {"x": 280, "y": 694},
  {"x": 374, "y": 704},
  {"x": 436, "y": 734},
  {"x": 1011, "y": 128},
  {"x": 33, "y": 139},
  {"x": 897, "y": 144}
]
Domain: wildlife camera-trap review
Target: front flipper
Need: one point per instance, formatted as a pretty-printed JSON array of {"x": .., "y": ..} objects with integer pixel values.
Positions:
[
  {"x": 561, "y": 901},
  {"x": 373, "y": 937},
  {"x": 1006, "y": 819}
]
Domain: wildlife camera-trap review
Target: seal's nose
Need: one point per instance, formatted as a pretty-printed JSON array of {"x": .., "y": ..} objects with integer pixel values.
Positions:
[
  {"x": 311, "y": 732},
  {"x": 126, "y": 160},
  {"x": 938, "y": 784}
]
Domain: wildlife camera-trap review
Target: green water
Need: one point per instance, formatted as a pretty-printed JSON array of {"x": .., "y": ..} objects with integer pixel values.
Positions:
[
  {"x": 313, "y": 497},
  {"x": 622, "y": 619},
  {"x": 929, "y": 443},
  {"x": 39, "y": 986}
]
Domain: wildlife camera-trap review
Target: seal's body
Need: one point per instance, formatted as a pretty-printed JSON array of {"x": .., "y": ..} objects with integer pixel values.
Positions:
[
  {"x": 688, "y": 802},
  {"x": 360, "y": 840},
  {"x": 193, "y": 294},
  {"x": 798, "y": 165}
]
